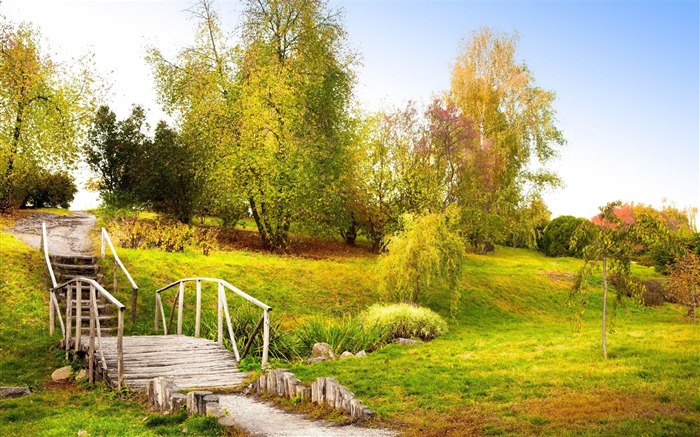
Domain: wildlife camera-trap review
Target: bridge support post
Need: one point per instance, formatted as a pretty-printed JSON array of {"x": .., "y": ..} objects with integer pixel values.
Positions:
[{"x": 266, "y": 337}]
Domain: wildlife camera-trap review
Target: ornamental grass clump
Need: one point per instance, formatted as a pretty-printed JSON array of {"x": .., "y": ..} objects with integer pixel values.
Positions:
[{"x": 405, "y": 320}]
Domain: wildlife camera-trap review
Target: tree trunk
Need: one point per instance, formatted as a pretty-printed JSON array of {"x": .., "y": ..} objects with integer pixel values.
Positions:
[{"x": 605, "y": 307}]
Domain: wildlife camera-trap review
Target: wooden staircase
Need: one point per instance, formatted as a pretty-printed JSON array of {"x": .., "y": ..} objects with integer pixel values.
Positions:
[{"x": 71, "y": 267}]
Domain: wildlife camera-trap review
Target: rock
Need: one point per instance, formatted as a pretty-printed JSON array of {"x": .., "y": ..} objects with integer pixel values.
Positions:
[
  {"x": 61, "y": 374},
  {"x": 81, "y": 375},
  {"x": 407, "y": 341},
  {"x": 361, "y": 354},
  {"x": 346, "y": 354},
  {"x": 316, "y": 360},
  {"x": 13, "y": 392},
  {"x": 322, "y": 350},
  {"x": 82, "y": 432}
]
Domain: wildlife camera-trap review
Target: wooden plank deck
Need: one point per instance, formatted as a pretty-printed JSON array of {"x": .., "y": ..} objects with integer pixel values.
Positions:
[{"x": 191, "y": 362}]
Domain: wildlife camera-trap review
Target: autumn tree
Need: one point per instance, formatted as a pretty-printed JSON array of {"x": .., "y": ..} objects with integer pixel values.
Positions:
[
  {"x": 516, "y": 133},
  {"x": 295, "y": 83},
  {"x": 684, "y": 283},
  {"x": 613, "y": 241},
  {"x": 46, "y": 108}
]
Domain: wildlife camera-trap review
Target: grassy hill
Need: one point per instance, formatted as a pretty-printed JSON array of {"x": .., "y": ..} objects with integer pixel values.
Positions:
[{"x": 512, "y": 363}]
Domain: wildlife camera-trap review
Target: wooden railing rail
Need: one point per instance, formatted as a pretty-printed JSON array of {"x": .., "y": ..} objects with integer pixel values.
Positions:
[
  {"x": 73, "y": 290},
  {"x": 105, "y": 240},
  {"x": 44, "y": 248},
  {"x": 223, "y": 314}
]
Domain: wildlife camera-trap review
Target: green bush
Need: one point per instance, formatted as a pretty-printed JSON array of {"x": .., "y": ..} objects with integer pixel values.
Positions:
[
  {"x": 404, "y": 320},
  {"x": 167, "y": 236},
  {"x": 556, "y": 239},
  {"x": 346, "y": 335},
  {"x": 50, "y": 190}
]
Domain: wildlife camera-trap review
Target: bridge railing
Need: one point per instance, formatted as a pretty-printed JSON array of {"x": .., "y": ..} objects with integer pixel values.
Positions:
[
  {"x": 106, "y": 241},
  {"x": 74, "y": 290},
  {"x": 223, "y": 314}
]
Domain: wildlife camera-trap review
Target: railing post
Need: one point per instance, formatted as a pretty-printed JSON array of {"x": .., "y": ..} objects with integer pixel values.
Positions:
[
  {"x": 91, "y": 345},
  {"x": 69, "y": 323},
  {"x": 266, "y": 337},
  {"x": 220, "y": 313},
  {"x": 52, "y": 314},
  {"x": 198, "y": 310},
  {"x": 120, "y": 349},
  {"x": 78, "y": 314},
  {"x": 180, "y": 307},
  {"x": 155, "y": 319}
]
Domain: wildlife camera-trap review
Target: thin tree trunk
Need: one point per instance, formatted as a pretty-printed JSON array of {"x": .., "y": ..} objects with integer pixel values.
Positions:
[{"x": 605, "y": 307}]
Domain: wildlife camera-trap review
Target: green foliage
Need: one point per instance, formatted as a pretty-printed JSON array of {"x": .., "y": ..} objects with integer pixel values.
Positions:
[
  {"x": 427, "y": 254},
  {"x": 404, "y": 320},
  {"x": 45, "y": 110},
  {"x": 556, "y": 239},
  {"x": 50, "y": 190},
  {"x": 344, "y": 335}
]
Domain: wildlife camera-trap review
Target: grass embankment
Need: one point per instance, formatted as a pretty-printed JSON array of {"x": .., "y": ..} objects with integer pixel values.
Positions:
[
  {"x": 28, "y": 356},
  {"x": 512, "y": 362}
]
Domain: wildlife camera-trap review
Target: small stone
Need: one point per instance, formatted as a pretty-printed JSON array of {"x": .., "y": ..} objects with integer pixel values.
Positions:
[
  {"x": 322, "y": 350},
  {"x": 61, "y": 374},
  {"x": 346, "y": 354},
  {"x": 316, "y": 360},
  {"x": 82, "y": 432},
  {"x": 406, "y": 341},
  {"x": 361, "y": 354},
  {"x": 81, "y": 375},
  {"x": 13, "y": 392},
  {"x": 185, "y": 430}
]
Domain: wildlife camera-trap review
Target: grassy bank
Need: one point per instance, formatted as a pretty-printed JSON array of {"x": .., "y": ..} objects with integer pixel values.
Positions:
[{"x": 511, "y": 364}]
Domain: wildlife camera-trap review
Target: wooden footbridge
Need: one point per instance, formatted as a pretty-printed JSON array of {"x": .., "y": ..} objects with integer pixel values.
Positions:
[{"x": 83, "y": 308}]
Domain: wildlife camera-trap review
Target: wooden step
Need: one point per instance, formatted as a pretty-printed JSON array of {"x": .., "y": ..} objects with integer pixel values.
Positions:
[
  {"x": 76, "y": 267},
  {"x": 73, "y": 259}
]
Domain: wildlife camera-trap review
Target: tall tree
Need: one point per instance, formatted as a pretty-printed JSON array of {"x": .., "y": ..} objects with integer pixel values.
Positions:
[
  {"x": 45, "y": 109},
  {"x": 516, "y": 129},
  {"x": 295, "y": 84},
  {"x": 115, "y": 151}
]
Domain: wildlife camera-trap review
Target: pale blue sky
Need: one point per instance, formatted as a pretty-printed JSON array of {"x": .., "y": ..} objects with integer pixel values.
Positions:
[{"x": 626, "y": 73}]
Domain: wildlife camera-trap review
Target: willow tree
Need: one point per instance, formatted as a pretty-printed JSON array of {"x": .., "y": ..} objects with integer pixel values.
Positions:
[
  {"x": 295, "y": 83},
  {"x": 516, "y": 133},
  {"x": 45, "y": 109}
]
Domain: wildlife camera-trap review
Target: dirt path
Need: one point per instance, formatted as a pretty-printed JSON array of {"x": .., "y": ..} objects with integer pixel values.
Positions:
[
  {"x": 67, "y": 234},
  {"x": 261, "y": 419}
]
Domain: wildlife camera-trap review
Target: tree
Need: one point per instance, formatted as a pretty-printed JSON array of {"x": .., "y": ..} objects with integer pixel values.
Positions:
[
  {"x": 426, "y": 254},
  {"x": 45, "y": 109},
  {"x": 115, "y": 152},
  {"x": 295, "y": 85},
  {"x": 556, "y": 240},
  {"x": 613, "y": 243},
  {"x": 516, "y": 131},
  {"x": 50, "y": 190},
  {"x": 684, "y": 283}
]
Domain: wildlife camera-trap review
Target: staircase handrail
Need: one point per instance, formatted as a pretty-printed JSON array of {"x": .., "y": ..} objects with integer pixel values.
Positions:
[
  {"x": 223, "y": 310},
  {"x": 95, "y": 288},
  {"x": 104, "y": 238},
  {"x": 45, "y": 250}
]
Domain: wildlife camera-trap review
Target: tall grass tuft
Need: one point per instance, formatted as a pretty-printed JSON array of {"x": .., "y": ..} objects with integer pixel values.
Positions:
[
  {"x": 404, "y": 320},
  {"x": 345, "y": 335}
]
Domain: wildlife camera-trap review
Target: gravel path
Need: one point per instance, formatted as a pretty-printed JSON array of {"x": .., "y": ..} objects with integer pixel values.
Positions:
[
  {"x": 67, "y": 234},
  {"x": 262, "y": 419}
]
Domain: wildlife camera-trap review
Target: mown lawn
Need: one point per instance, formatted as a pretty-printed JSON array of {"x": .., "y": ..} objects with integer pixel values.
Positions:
[{"x": 512, "y": 364}]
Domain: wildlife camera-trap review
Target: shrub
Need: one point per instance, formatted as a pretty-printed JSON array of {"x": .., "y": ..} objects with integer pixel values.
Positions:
[
  {"x": 162, "y": 235},
  {"x": 346, "y": 335},
  {"x": 50, "y": 190},
  {"x": 556, "y": 239},
  {"x": 404, "y": 320},
  {"x": 654, "y": 293}
]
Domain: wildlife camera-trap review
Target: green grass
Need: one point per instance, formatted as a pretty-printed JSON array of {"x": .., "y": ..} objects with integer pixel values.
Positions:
[{"x": 512, "y": 362}]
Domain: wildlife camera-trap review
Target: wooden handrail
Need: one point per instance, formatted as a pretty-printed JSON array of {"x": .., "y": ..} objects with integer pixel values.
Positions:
[
  {"x": 222, "y": 313},
  {"x": 104, "y": 238},
  {"x": 75, "y": 286},
  {"x": 45, "y": 247}
]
